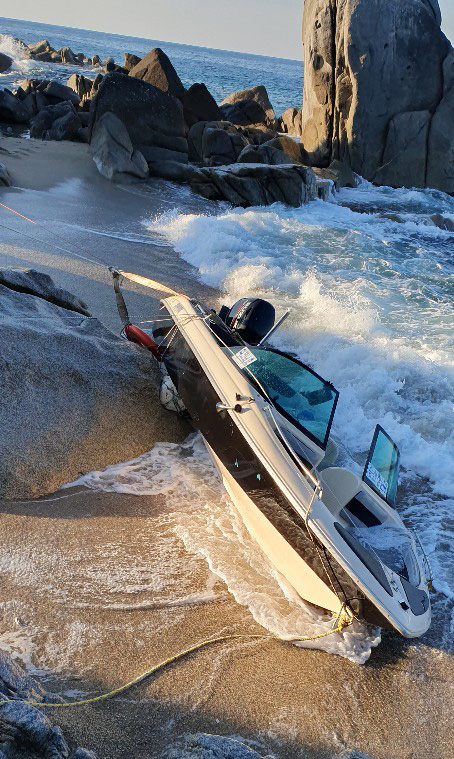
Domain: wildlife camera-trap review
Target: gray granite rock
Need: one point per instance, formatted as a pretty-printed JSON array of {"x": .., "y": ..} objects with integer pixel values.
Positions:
[
  {"x": 291, "y": 122},
  {"x": 206, "y": 746},
  {"x": 43, "y": 46},
  {"x": 440, "y": 158},
  {"x": 263, "y": 154},
  {"x": 5, "y": 62},
  {"x": 215, "y": 142},
  {"x": 12, "y": 110},
  {"x": 79, "y": 398},
  {"x": 28, "y": 727},
  {"x": 246, "y": 184},
  {"x": 113, "y": 152},
  {"x": 287, "y": 145},
  {"x": 200, "y": 105},
  {"x": 174, "y": 171},
  {"x": 130, "y": 61},
  {"x": 373, "y": 73},
  {"x": 65, "y": 128},
  {"x": 32, "y": 282},
  {"x": 55, "y": 91},
  {"x": 152, "y": 117},
  {"x": 5, "y": 179},
  {"x": 247, "y": 107},
  {"x": 155, "y": 68},
  {"x": 83, "y": 753},
  {"x": 63, "y": 115},
  {"x": 405, "y": 156}
]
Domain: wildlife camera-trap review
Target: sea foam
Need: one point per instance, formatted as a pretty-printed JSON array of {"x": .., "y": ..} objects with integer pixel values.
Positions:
[{"x": 370, "y": 284}]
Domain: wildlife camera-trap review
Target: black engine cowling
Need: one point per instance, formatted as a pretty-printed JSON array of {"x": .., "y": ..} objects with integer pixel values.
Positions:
[{"x": 250, "y": 318}]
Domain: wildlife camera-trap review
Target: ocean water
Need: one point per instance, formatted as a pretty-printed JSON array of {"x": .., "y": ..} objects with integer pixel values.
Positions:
[
  {"x": 369, "y": 279},
  {"x": 222, "y": 71}
]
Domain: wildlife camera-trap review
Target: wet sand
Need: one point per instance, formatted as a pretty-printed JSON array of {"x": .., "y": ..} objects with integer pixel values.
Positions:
[
  {"x": 77, "y": 211},
  {"x": 97, "y": 587}
]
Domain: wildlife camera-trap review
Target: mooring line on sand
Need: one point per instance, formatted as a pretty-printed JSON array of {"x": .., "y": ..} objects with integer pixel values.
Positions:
[{"x": 342, "y": 621}]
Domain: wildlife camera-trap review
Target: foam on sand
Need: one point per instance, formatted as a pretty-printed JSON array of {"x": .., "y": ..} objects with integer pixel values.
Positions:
[{"x": 209, "y": 526}]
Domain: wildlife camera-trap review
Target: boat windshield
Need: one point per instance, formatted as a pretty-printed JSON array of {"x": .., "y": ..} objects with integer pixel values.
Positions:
[
  {"x": 381, "y": 472},
  {"x": 297, "y": 392}
]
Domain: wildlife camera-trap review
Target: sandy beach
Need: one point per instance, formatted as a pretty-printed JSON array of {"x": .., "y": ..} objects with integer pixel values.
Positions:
[{"x": 97, "y": 587}]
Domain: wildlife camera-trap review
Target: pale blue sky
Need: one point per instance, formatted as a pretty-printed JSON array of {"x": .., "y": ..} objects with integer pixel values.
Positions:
[{"x": 267, "y": 27}]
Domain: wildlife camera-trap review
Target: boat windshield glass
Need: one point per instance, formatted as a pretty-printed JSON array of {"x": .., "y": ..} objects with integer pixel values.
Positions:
[
  {"x": 297, "y": 392},
  {"x": 381, "y": 472}
]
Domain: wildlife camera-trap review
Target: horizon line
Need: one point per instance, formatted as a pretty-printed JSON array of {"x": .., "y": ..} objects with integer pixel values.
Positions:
[{"x": 167, "y": 42}]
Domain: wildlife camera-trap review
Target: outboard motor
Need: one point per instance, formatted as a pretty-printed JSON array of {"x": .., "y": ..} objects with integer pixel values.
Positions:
[{"x": 250, "y": 318}]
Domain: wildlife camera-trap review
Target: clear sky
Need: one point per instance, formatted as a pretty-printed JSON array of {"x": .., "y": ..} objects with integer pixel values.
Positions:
[{"x": 267, "y": 27}]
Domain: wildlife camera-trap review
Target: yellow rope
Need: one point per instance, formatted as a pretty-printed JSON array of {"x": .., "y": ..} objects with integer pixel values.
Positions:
[{"x": 343, "y": 621}]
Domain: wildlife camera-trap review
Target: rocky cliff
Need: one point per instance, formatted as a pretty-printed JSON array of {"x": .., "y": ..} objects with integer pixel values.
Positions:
[{"x": 379, "y": 90}]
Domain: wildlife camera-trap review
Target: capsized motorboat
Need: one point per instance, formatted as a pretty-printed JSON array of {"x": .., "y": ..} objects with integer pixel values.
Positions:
[{"x": 266, "y": 419}]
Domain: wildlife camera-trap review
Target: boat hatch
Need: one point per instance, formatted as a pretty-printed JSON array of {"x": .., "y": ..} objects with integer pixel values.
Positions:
[{"x": 297, "y": 392}]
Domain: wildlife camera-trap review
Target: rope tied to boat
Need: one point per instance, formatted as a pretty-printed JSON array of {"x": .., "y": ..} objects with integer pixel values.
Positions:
[{"x": 342, "y": 620}]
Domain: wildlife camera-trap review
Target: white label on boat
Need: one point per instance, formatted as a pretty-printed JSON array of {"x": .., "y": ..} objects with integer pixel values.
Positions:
[
  {"x": 377, "y": 479},
  {"x": 244, "y": 357}
]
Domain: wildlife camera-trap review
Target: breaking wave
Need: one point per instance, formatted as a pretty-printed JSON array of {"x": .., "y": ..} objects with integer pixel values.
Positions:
[{"x": 370, "y": 284}]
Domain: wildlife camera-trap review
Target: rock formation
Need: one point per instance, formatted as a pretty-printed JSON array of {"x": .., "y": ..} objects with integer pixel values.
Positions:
[
  {"x": 200, "y": 105},
  {"x": 24, "y": 730},
  {"x": 153, "y": 119},
  {"x": 78, "y": 396},
  {"x": 113, "y": 151},
  {"x": 5, "y": 62},
  {"x": 247, "y": 184},
  {"x": 5, "y": 179},
  {"x": 56, "y": 122},
  {"x": 379, "y": 90},
  {"x": 248, "y": 107},
  {"x": 156, "y": 69}
]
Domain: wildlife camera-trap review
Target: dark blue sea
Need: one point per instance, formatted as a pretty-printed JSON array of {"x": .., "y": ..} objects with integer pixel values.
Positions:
[{"x": 222, "y": 71}]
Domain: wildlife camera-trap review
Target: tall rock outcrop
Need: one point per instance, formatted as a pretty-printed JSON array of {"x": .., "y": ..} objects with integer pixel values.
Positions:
[{"x": 379, "y": 90}]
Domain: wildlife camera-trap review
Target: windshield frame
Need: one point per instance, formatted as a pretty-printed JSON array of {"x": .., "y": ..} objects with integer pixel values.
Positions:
[{"x": 256, "y": 381}]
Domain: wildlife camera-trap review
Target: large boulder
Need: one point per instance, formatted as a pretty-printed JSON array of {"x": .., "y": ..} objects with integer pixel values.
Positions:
[
  {"x": 215, "y": 143},
  {"x": 67, "y": 56},
  {"x": 151, "y": 117},
  {"x": 156, "y": 69},
  {"x": 200, "y": 105},
  {"x": 263, "y": 154},
  {"x": 372, "y": 71},
  {"x": 291, "y": 122},
  {"x": 405, "y": 156},
  {"x": 79, "y": 398},
  {"x": 440, "y": 154},
  {"x": 248, "y": 107},
  {"x": 25, "y": 731},
  {"x": 130, "y": 61},
  {"x": 287, "y": 145},
  {"x": 84, "y": 89},
  {"x": 246, "y": 184},
  {"x": 5, "y": 62},
  {"x": 5, "y": 179},
  {"x": 12, "y": 110},
  {"x": 56, "y": 122},
  {"x": 113, "y": 152},
  {"x": 43, "y": 46},
  {"x": 56, "y": 92}
]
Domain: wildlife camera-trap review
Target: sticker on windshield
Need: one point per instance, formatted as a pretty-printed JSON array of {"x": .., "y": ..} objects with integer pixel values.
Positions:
[
  {"x": 376, "y": 478},
  {"x": 244, "y": 357}
]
